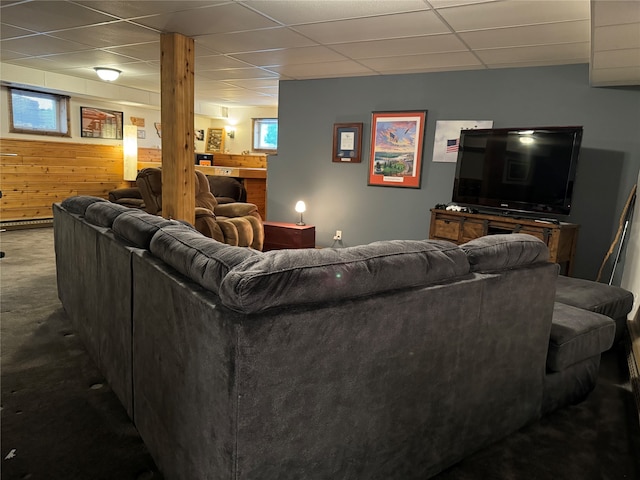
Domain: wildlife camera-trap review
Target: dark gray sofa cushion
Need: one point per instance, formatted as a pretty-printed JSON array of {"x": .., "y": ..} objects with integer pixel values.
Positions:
[
  {"x": 79, "y": 203},
  {"x": 139, "y": 227},
  {"x": 609, "y": 300},
  {"x": 501, "y": 252},
  {"x": 202, "y": 259},
  {"x": 576, "y": 335},
  {"x": 104, "y": 213},
  {"x": 307, "y": 276}
]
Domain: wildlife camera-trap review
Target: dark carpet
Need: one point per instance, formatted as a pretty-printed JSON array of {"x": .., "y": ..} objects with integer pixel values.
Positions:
[{"x": 60, "y": 419}]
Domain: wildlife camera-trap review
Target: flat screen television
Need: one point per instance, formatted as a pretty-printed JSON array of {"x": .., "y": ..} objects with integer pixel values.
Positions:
[{"x": 528, "y": 170}]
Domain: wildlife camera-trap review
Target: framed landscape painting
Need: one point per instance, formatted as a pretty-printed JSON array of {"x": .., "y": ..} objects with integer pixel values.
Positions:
[{"x": 396, "y": 148}]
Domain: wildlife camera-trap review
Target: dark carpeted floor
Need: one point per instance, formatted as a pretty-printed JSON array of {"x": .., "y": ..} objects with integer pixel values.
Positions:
[{"x": 60, "y": 420}]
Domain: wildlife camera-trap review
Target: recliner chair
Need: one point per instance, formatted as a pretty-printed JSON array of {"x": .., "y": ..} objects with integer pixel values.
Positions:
[
  {"x": 227, "y": 189},
  {"x": 237, "y": 224}
]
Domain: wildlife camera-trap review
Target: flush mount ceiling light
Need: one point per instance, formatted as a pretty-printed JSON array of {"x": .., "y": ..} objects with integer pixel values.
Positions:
[{"x": 107, "y": 74}]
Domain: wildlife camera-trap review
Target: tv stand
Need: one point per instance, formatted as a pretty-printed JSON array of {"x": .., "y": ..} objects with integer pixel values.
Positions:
[{"x": 461, "y": 227}]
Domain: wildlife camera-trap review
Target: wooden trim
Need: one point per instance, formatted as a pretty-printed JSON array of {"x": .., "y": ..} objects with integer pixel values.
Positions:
[{"x": 176, "y": 90}]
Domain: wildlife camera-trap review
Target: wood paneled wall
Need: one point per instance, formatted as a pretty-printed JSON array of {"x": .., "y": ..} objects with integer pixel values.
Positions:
[
  {"x": 44, "y": 172},
  {"x": 219, "y": 159}
]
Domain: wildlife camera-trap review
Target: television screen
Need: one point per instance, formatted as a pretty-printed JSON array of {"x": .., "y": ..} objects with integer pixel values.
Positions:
[{"x": 517, "y": 169}]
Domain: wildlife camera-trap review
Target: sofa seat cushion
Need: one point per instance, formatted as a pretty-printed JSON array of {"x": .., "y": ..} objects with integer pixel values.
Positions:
[
  {"x": 502, "y": 252},
  {"x": 576, "y": 335},
  {"x": 609, "y": 300},
  {"x": 204, "y": 260},
  {"x": 307, "y": 276}
]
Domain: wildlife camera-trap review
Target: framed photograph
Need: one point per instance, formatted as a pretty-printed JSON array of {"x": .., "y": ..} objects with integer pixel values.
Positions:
[
  {"x": 396, "y": 148},
  {"x": 100, "y": 123},
  {"x": 215, "y": 140},
  {"x": 347, "y": 142},
  {"x": 200, "y": 135}
]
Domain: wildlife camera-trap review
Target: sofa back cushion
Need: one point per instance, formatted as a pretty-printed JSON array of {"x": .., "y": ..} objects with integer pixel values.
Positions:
[
  {"x": 306, "y": 276},
  {"x": 202, "y": 259},
  {"x": 104, "y": 213},
  {"x": 502, "y": 252},
  {"x": 138, "y": 227},
  {"x": 79, "y": 203}
]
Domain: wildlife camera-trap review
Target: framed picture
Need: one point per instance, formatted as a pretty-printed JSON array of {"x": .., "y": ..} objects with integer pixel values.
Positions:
[
  {"x": 200, "y": 135},
  {"x": 100, "y": 123},
  {"x": 215, "y": 140},
  {"x": 396, "y": 148},
  {"x": 347, "y": 142}
]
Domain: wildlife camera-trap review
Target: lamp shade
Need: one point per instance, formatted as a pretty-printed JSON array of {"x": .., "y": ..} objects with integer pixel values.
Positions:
[
  {"x": 130, "y": 151},
  {"x": 300, "y": 208},
  {"x": 107, "y": 74}
]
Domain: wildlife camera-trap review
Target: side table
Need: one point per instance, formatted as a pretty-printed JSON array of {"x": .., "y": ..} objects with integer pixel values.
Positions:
[{"x": 279, "y": 235}]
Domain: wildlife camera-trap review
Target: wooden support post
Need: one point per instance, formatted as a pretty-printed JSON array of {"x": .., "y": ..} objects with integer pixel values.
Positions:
[{"x": 177, "y": 100}]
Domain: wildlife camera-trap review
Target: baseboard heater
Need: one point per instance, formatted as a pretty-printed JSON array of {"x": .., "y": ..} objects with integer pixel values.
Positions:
[{"x": 22, "y": 224}]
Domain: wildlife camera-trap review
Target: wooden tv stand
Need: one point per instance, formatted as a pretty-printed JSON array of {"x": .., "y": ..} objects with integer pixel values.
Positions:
[{"x": 460, "y": 227}]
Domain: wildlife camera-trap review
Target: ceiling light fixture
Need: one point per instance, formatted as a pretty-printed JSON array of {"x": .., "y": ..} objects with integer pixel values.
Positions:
[{"x": 107, "y": 74}]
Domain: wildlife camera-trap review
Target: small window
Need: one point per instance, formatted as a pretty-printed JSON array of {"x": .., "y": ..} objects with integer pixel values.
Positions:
[
  {"x": 265, "y": 135},
  {"x": 38, "y": 112}
]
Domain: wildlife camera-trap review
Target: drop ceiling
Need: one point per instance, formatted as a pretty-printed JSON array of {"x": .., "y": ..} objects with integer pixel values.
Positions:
[{"x": 243, "y": 48}]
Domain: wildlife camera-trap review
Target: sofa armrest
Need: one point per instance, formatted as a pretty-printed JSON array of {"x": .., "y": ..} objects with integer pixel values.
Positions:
[
  {"x": 237, "y": 209},
  {"x": 127, "y": 192}
]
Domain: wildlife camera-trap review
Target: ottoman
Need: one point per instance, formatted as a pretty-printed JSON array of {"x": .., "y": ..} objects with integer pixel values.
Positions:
[{"x": 609, "y": 300}]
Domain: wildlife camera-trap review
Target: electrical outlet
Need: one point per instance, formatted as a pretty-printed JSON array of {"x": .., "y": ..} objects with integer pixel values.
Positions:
[{"x": 338, "y": 235}]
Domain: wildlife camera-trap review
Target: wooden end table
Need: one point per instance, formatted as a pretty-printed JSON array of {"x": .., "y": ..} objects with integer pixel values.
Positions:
[{"x": 280, "y": 235}]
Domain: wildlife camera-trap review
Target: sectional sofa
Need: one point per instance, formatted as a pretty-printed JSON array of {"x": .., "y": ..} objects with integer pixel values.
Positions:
[{"x": 392, "y": 360}]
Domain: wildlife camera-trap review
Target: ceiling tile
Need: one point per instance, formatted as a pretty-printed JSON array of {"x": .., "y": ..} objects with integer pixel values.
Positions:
[
  {"x": 134, "y": 9},
  {"x": 291, "y": 55},
  {"x": 292, "y": 12},
  {"x": 143, "y": 51},
  {"x": 110, "y": 34},
  {"x": 514, "y": 13},
  {"x": 228, "y": 17},
  {"x": 571, "y": 53},
  {"x": 375, "y": 28},
  {"x": 7, "y": 55},
  {"x": 9, "y": 31},
  {"x": 616, "y": 36},
  {"x": 49, "y": 16},
  {"x": 566, "y": 32},
  {"x": 255, "y": 40},
  {"x": 218, "y": 62},
  {"x": 255, "y": 83},
  {"x": 456, "y": 3},
  {"x": 39, "y": 63},
  {"x": 415, "y": 62},
  {"x": 615, "y": 76},
  {"x": 234, "y": 73},
  {"x": 42, "y": 45},
  {"x": 617, "y": 58},
  {"x": 614, "y": 12},
  {"x": 91, "y": 58},
  {"x": 401, "y": 46},
  {"x": 323, "y": 70}
]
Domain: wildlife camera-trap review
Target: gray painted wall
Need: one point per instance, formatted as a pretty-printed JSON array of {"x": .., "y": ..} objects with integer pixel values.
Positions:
[{"x": 338, "y": 197}]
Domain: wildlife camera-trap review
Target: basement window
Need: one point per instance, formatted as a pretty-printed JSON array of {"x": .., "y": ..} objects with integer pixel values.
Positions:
[
  {"x": 38, "y": 113},
  {"x": 265, "y": 135}
]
